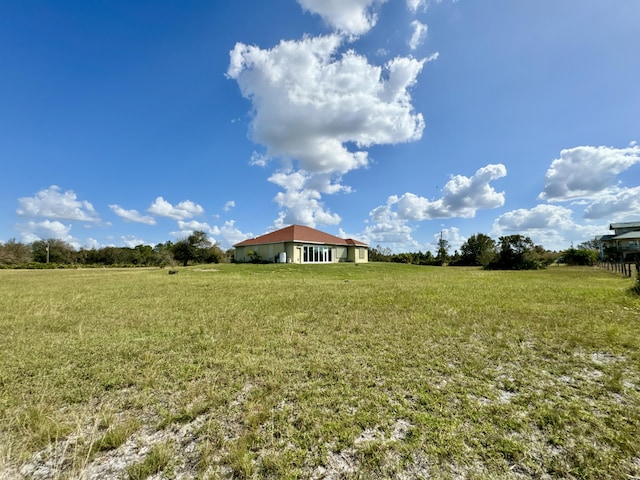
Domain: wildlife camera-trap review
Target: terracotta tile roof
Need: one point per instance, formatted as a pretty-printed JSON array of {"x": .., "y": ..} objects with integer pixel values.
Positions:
[
  {"x": 299, "y": 234},
  {"x": 351, "y": 241}
]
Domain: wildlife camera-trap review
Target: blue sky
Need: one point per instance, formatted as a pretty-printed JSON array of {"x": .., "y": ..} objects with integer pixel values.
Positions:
[{"x": 126, "y": 123}]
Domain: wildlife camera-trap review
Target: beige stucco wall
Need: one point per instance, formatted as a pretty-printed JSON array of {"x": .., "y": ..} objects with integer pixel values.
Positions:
[
  {"x": 359, "y": 254},
  {"x": 294, "y": 251}
]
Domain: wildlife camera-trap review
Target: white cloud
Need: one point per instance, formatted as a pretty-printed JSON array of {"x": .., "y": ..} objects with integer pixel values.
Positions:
[
  {"x": 301, "y": 180},
  {"x": 352, "y": 17},
  {"x": 230, "y": 234},
  {"x": 616, "y": 205},
  {"x": 181, "y": 211},
  {"x": 132, "y": 215},
  {"x": 290, "y": 180},
  {"x": 193, "y": 225},
  {"x": 34, "y": 231},
  {"x": 587, "y": 172},
  {"x": 301, "y": 200},
  {"x": 304, "y": 207},
  {"x": 53, "y": 203},
  {"x": 462, "y": 197},
  {"x": 539, "y": 217},
  {"x": 226, "y": 236},
  {"x": 132, "y": 241},
  {"x": 418, "y": 35},
  {"x": 91, "y": 243},
  {"x": 258, "y": 160},
  {"x": 310, "y": 106},
  {"x": 229, "y": 205},
  {"x": 389, "y": 229},
  {"x": 551, "y": 226},
  {"x": 415, "y": 5}
]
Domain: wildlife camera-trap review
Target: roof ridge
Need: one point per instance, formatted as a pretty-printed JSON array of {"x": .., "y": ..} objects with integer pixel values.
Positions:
[{"x": 299, "y": 233}]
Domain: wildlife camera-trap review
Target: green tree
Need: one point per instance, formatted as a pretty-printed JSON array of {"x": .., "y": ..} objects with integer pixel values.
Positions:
[
  {"x": 479, "y": 249},
  {"x": 427, "y": 259},
  {"x": 213, "y": 254},
  {"x": 544, "y": 256},
  {"x": 442, "y": 256},
  {"x": 163, "y": 254},
  {"x": 183, "y": 251},
  {"x": 143, "y": 255},
  {"x": 228, "y": 255},
  {"x": 424, "y": 258},
  {"x": 517, "y": 252},
  {"x": 589, "y": 245},
  {"x": 14, "y": 253},
  {"x": 59, "y": 251},
  {"x": 403, "y": 258},
  {"x": 580, "y": 257},
  {"x": 196, "y": 248},
  {"x": 200, "y": 243},
  {"x": 380, "y": 254}
]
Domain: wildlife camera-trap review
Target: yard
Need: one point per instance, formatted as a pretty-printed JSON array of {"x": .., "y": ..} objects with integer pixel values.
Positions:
[{"x": 319, "y": 371}]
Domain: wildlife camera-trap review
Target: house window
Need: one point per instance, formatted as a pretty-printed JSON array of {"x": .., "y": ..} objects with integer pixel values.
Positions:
[
  {"x": 316, "y": 254},
  {"x": 361, "y": 253}
]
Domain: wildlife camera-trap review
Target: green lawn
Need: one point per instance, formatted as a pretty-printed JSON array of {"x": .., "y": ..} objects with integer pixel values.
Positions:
[{"x": 327, "y": 371}]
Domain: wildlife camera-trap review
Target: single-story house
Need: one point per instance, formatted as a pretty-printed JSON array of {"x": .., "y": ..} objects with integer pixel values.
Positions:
[
  {"x": 300, "y": 244},
  {"x": 624, "y": 243}
]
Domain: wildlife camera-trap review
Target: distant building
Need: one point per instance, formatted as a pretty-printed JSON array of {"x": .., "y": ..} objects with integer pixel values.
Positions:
[
  {"x": 300, "y": 244},
  {"x": 624, "y": 244}
]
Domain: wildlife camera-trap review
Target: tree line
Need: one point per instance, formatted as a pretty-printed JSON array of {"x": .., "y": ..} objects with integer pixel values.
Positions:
[
  {"x": 194, "y": 249},
  {"x": 511, "y": 252}
]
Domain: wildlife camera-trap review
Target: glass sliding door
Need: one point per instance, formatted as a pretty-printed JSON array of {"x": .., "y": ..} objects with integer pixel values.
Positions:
[{"x": 316, "y": 254}]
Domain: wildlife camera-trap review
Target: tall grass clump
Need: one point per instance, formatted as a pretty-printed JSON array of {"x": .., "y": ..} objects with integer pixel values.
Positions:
[{"x": 157, "y": 460}]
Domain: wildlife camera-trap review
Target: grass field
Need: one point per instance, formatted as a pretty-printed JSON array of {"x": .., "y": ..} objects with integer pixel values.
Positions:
[{"x": 331, "y": 371}]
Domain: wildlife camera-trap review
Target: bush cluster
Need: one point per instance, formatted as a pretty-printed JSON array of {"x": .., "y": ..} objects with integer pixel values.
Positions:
[
  {"x": 512, "y": 252},
  {"x": 53, "y": 253},
  {"x": 580, "y": 257}
]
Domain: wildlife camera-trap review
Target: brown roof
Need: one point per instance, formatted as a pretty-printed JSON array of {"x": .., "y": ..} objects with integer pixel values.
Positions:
[{"x": 300, "y": 234}]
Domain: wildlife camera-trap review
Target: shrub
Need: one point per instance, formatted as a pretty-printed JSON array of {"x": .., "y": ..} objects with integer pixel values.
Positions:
[{"x": 580, "y": 257}]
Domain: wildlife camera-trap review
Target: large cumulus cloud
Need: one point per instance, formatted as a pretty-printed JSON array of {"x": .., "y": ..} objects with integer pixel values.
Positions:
[
  {"x": 317, "y": 110},
  {"x": 52, "y": 202},
  {"x": 587, "y": 172}
]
